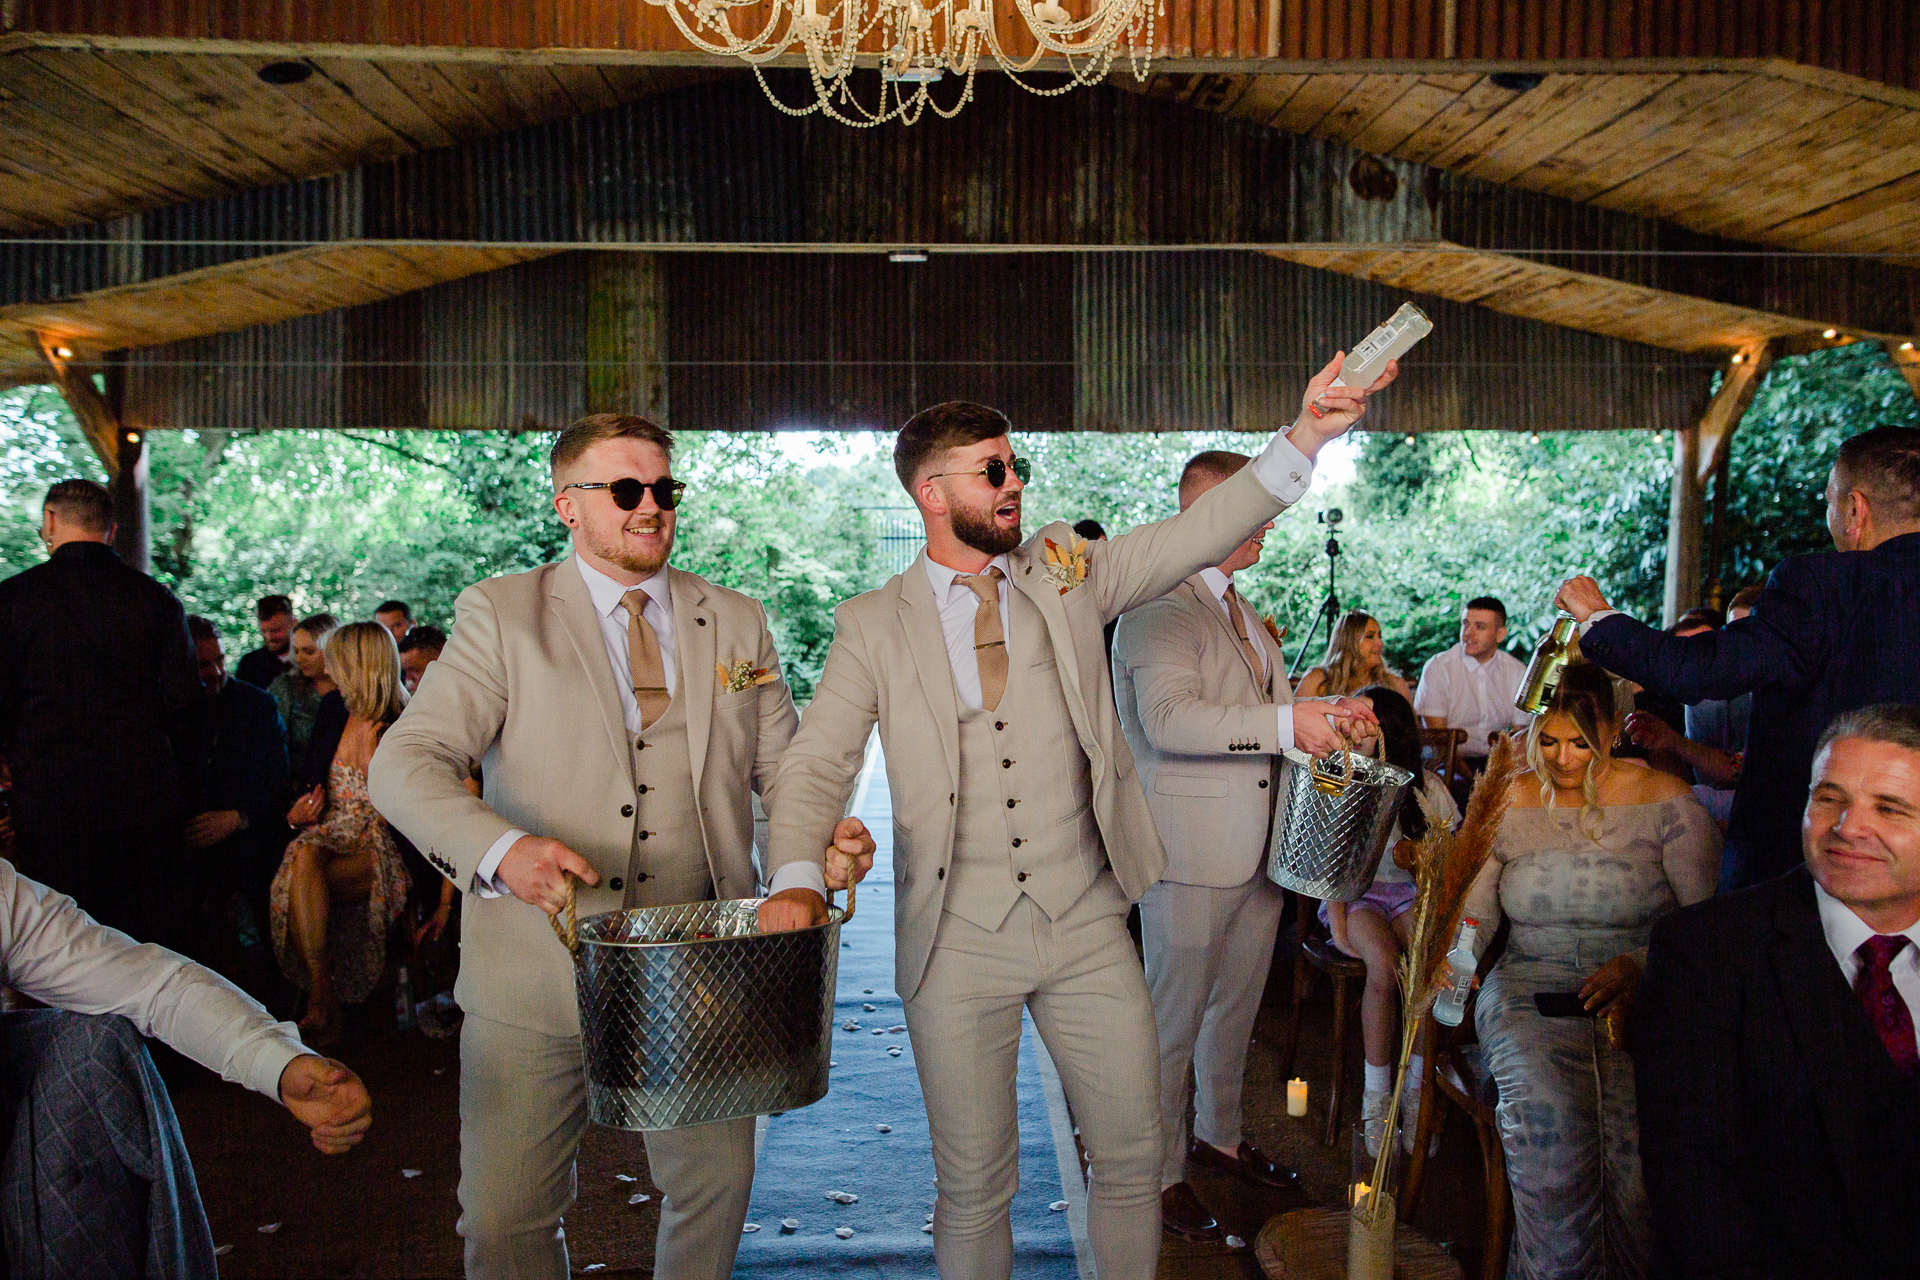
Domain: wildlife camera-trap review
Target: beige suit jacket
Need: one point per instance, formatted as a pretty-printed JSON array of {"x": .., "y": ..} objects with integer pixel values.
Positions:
[
  {"x": 524, "y": 688},
  {"x": 1202, "y": 732},
  {"x": 888, "y": 665}
]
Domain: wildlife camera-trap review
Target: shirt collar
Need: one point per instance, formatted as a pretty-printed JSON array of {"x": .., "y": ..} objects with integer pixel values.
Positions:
[
  {"x": 942, "y": 577},
  {"x": 1217, "y": 582},
  {"x": 608, "y": 594},
  {"x": 1846, "y": 931},
  {"x": 1469, "y": 661}
]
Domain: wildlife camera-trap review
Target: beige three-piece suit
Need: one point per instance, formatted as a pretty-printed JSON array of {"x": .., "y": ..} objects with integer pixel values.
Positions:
[
  {"x": 526, "y": 688},
  {"x": 1019, "y": 836},
  {"x": 1202, "y": 722}
]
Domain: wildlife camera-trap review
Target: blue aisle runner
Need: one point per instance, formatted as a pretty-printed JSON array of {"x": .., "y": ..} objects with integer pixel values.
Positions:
[{"x": 835, "y": 1146}]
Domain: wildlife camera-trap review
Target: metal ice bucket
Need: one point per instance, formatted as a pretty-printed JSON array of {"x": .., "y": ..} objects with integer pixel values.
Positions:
[
  {"x": 1332, "y": 824},
  {"x": 689, "y": 1014}
]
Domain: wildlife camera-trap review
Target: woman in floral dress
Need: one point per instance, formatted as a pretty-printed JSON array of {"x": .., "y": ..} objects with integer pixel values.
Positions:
[{"x": 342, "y": 884}]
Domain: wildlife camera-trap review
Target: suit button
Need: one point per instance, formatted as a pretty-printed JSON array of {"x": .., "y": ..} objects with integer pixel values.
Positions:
[
  {"x": 999, "y": 724},
  {"x": 639, "y": 744},
  {"x": 1006, "y": 764},
  {"x": 1022, "y": 877},
  {"x": 638, "y": 879},
  {"x": 643, "y": 788},
  {"x": 1263, "y": 782},
  {"x": 941, "y": 874},
  {"x": 626, "y": 811},
  {"x": 645, "y": 834},
  {"x": 1012, "y": 803},
  {"x": 1255, "y": 746},
  {"x": 701, "y": 622},
  {"x": 616, "y": 883},
  {"x": 1017, "y": 842}
]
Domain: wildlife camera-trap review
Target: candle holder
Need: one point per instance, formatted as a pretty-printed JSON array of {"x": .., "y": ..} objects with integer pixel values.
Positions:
[{"x": 1370, "y": 1208}]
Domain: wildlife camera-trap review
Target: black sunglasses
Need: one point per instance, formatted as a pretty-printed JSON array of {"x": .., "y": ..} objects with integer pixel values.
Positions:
[
  {"x": 626, "y": 492},
  {"x": 995, "y": 471}
]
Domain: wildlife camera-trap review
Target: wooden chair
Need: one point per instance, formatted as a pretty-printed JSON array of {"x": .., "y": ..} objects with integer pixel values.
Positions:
[
  {"x": 1456, "y": 1080},
  {"x": 1440, "y": 752},
  {"x": 1314, "y": 951}
]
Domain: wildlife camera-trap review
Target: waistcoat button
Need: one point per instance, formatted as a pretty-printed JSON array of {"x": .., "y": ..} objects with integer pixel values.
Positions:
[
  {"x": 1022, "y": 877},
  {"x": 999, "y": 724},
  {"x": 643, "y": 788},
  {"x": 641, "y": 877},
  {"x": 645, "y": 834},
  {"x": 1006, "y": 764},
  {"x": 626, "y": 811},
  {"x": 1017, "y": 842},
  {"x": 1012, "y": 803},
  {"x": 1263, "y": 782},
  {"x": 616, "y": 883}
]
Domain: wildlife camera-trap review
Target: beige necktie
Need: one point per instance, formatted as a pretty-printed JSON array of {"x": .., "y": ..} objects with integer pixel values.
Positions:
[
  {"x": 989, "y": 638},
  {"x": 643, "y": 660},
  {"x": 1262, "y": 678}
]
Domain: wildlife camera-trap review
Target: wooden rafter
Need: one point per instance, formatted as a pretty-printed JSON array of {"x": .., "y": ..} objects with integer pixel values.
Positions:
[
  {"x": 90, "y": 408},
  {"x": 1729, "y": 404}
]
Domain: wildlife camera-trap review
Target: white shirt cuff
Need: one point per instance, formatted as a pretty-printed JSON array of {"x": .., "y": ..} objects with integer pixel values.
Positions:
[
  {"x": 1284, "y": 735},
  {"x": 1592, "y": 618},
  {"x": 1283, "y": 470},
  {"x": 486, "y": 876},
  {"x": 799, "y": 875}
]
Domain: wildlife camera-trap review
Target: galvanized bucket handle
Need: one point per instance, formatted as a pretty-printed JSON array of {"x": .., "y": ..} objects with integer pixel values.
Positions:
[
  {"x": 569, "y": 931},
  {"x": 1326, "y": 781}
]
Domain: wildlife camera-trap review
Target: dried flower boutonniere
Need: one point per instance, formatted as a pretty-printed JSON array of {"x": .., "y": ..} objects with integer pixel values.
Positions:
[
  {"x": 1274, "y": 629},
  {"x": 741, "y": 675},
  {"x": 1067, "y": 568}
]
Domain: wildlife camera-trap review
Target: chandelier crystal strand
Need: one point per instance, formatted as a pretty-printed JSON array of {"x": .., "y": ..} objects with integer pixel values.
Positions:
[{"x": 921, "y": 41}]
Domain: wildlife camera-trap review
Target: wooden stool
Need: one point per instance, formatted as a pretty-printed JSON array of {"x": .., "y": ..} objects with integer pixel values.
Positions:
[
  {"x": 1454, "y": 1080},
  {"x": 1311, "y": 1244},
  {"x": 1315, "y": 950}
]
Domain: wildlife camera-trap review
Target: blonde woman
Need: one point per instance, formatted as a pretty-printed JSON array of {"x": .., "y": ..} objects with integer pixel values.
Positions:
[
  {"x": 299, "y": 692},
  {"x": 342, "y": 884},
  {"x": 1356, "y": 658},
  {"x": 1592, "y": 851}
]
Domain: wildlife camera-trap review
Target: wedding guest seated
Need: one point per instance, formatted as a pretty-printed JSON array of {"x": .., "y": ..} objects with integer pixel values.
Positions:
[
  {"x": 1779, "y": 1110},
  {"x": 342, "y": 884},
  {"x": 98, "y": 1179},
  {"x": 1375, "y": 927},
  {"x": 237, "y": 784},
  {"x": 418, "y": 650},
  {"x": 1471, "y": 685},
  {"x": 297, "y": 692},
  {"x": 1355, "y": 658},
  {"x": 1591, "y": 851},
  {"x": 274, "y": 658},
  {"x": 396, "y": 616},
  {"x": 1832, "y": 632}
]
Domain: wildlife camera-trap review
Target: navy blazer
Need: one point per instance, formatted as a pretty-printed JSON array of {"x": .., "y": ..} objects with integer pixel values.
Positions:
[
  {"x": 1831, "y": 633},
  {"x": 96, "y": 671},
  {"x": 1777, "y": 1137}
]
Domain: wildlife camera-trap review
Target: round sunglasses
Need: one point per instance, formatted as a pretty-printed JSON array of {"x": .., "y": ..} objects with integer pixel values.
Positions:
[
  {"x": 626, "y": 492},
  {"x": 995, "y": 471}
]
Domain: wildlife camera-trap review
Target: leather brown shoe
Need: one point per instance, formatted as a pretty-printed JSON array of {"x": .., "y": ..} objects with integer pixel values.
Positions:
[
  {"x": 1185, "y": 1218},
  {"x": 1248, "y": 1163}
]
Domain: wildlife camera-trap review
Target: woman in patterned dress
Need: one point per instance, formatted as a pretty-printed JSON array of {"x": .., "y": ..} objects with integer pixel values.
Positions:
[
  {"x": 1591, "y": 852},
  {"x": 342, "y": 884}
]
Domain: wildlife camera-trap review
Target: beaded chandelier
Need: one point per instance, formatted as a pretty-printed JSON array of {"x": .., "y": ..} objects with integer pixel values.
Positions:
[{"x": 916, "y": 43}]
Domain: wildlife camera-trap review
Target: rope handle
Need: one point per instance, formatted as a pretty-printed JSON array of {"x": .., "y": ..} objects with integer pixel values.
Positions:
[
  {"x": 848, "y": 915},
  {"x": 568, "y": 933}
]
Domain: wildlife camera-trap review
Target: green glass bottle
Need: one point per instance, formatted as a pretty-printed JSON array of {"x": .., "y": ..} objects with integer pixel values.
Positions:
[{"x": 1550, "y": 658}]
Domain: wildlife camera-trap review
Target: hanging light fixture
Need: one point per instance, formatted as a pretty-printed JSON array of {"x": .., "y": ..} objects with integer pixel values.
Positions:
[{"x": 915, "y": 44}]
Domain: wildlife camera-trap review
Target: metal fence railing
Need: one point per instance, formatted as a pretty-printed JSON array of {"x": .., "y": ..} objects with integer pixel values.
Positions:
[{"x": 899, "y": 535}]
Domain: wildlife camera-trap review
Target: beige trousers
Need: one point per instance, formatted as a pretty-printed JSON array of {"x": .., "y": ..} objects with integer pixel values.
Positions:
[
  {"x": 1208, "y": 952},
  {"x": 523, "y": 1109},
  {"x": 1081, "y": 979}
]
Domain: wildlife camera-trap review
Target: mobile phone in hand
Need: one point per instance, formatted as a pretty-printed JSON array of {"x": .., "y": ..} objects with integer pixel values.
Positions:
[{"x": 1561, "y": 1004}]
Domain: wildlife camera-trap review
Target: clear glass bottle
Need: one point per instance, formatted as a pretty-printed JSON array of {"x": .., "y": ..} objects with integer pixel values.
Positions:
[
  {"x": 1451, "y": 1006},
  {"x": 1550, "y": 658}
]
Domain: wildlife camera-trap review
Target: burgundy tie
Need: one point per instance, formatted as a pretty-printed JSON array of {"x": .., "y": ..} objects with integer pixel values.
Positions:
[{"x": 1885, "y": 1009}]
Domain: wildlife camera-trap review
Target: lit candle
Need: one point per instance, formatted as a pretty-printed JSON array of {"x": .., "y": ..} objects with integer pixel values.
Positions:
[
  {"x": 1359, "y": 1195},
  {"x": 1296, "y": 1097}
]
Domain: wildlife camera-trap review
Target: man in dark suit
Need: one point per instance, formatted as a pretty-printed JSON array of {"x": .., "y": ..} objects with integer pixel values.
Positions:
[
  {"x": 1831, "y": 632},
  {"x": 274, "y": 658},
  {"x": 95, "y": 669},
  {"x": 1779, "y": 1110}
]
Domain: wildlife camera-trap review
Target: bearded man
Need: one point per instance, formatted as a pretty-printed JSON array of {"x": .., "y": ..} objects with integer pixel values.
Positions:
[
  {"x": 1020, "y": 832},
  {"x": 624, "y": 712}
]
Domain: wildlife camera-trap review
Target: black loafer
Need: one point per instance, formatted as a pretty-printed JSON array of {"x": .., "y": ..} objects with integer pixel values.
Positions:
[
  {"x": 1249, "y": 1163},
  {"x": 1185, "y": 1218}
]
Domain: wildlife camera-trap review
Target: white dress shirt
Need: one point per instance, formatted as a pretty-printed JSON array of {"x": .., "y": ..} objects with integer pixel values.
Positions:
[
  {"x": 53, "y": 951},
  {"x": 610, "y": 610},
  {"x": 1846, "y": 931},
  {"x": 1472, "y": 694},
  {"x": 1219, "y": 583}
]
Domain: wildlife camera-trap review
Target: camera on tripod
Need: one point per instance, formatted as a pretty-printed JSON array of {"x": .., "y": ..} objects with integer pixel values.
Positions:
[
  {"x": 1332, "y": 516},
  {"x": 1329, "y": 611}
]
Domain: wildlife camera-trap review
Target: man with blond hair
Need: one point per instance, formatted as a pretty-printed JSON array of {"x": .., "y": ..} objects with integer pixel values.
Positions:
[{"x": 625, "y": 712}]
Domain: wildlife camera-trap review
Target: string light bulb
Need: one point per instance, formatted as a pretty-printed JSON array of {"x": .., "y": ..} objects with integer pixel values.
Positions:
[
  {"x": 1738, "y": 358},
  {"x": 1831, "y": 333},
  {"x": 1409, "y": 437},
  {"x": 65, "y": 353}
]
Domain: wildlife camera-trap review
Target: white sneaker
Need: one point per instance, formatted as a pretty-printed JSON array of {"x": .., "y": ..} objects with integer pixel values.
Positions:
[
  {"x": 1410, "y": 1121},
  {"x": 1373, "y": 1116}
]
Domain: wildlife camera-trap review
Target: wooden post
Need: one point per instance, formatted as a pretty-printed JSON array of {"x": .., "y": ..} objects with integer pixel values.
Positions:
[
  {"x": 1685, "y": 512},
  {"x": 122, "y": 451},
  {"x": 1907, "y": 360}
]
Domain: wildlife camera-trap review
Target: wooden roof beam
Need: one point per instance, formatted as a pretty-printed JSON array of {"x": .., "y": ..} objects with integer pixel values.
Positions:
[
  {"x": 1738, "y": 383},
  {"x": 90, "y": 409}
]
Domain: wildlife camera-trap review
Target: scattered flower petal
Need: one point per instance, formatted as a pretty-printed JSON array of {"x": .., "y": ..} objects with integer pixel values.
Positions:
[
  {"x": 222, "y": 1250},
  {"x": 897, "y": 1029},
  {"x": 595, "y": 1266},
  {"x": 748, "y": 1228},
  {"x": 624, "y": 1177},
  {"x": 1058, "y": 1206},
  {"x": 1235, "y": 1242},
  {"x": 843, "y": 1197},
  {"x": 926, "y": 1228},
  {"x": 883, "y": 1128},
  {"x": 866, "y": 991},
  {"x": 269, "y": 1229},
  {"x": 869, "y": 1008},
  {"x": 831, "y": 1063},
  {"x": 845, "y": 1233},
  {"x": 638, "y": 1197},
  {"x": 409, "y": 1173},
  {"x": 439, "y": 1071},
  {"x": 893, "y": 1051},
  {"x": 849, "y": 1025},
  {"x": 929, "y": 1217},
  {"x": 789, "y": 1225}
]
